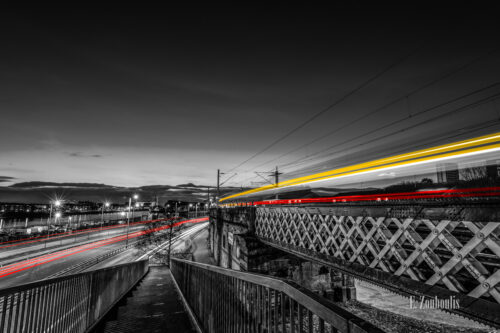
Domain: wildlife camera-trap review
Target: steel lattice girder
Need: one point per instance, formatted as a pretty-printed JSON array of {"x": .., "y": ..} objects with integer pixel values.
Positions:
[{"x": 429, "y": 251}]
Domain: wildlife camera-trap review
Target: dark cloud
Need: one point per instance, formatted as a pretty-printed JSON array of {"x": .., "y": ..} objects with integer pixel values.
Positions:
[
  {"x": 79, "y": 154},
  {"x": 4, "y": 179},
  {"x": 36, "y": 184}
]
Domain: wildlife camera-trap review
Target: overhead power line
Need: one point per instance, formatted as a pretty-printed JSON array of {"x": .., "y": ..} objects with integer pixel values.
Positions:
[
  {"x": 371, "y": 113},
  {"x": 446, "y": 114},
  {"x": 313, "y": 156},
  {"x": 328, "y": 108},
  {"x": 455, "y": 133}
]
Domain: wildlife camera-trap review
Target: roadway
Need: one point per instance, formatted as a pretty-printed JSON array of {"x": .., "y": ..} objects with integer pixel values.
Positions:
[
  {"x": 178, "y": 245},
  {"x": 43, "y": 266},
  {"x": 12, "y": 252}
]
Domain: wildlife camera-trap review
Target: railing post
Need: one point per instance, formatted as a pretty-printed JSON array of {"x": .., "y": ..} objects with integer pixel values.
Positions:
[
  {"x": 56, "y": 319},
  {"x": 22, "y": 309},
  {"x": 11, "y": 310},
  {"x": 46, "y": 304},
  {"x": 37, "y": 309}
]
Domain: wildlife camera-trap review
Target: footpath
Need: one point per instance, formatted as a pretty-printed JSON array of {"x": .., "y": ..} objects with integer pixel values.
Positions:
[{"x": 154, "y": 304}]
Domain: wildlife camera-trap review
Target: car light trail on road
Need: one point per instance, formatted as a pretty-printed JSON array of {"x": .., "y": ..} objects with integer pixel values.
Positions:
[
  {"x": 42, "y": 238},
  {"x": 31, "y": 263}
]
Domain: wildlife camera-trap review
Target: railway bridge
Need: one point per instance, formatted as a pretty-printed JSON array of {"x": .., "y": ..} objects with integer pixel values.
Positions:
[{"x": 427, "y": 248}]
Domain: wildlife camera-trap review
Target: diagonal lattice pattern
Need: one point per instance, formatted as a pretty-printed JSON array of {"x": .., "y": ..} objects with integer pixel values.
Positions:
[{"x": 464, "y": 256}]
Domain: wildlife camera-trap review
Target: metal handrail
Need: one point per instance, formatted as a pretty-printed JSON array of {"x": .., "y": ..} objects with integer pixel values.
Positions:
[
  {"x": 224, "y": 300},
  {"x": 73, "y": 303}
]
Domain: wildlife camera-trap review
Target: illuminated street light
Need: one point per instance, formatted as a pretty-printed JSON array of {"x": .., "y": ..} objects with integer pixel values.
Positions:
[
  {"x": 135, "y": 196},
  {"x": 56, "y": 203},
  {"x": 106, "y": 204}
]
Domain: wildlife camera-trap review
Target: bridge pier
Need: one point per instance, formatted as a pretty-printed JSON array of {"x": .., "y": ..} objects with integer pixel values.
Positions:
[
  {"x": 234, "y": 245},
  {"x": 342, "y": 286}
]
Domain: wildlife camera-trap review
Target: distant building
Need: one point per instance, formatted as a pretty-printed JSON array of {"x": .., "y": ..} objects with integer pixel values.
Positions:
[{"x": 447, "y": 173}]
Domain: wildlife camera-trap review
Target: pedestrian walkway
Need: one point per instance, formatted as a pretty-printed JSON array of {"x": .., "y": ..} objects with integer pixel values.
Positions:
[{"x": 153, "y": 306}]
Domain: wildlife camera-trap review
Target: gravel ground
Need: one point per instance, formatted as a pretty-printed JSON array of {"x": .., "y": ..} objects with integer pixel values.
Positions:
[{"x": 395, "y": 323}]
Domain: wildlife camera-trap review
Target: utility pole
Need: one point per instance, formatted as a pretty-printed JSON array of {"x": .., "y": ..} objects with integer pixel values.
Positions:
[
  {"x": 128, "y": 217},
  {"x": 102, "y": 215},
  {"x": 170, "y": 236},
  {"x": 276, "y": 180},
  {"x": 218, "y": 186},
  {"x": 48, "y": 225},
  {"x": 276, "y": 174}
]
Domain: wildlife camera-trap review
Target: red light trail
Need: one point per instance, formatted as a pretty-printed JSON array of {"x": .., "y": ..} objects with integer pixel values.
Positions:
[
  {"x": 30, "y": 263},
  {"x": 71, "y": 233},
  {"x": 430, "y": 194}
]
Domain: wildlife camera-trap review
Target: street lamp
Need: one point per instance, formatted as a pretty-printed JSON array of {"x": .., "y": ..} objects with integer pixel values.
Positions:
[
  {"x": 106, "y": 204},
  {"x": 56, "y": 203},
  {"x": 58, "y": 215},
  {"x": 128, "y": 215},
  {"x": 136, "y": 205}
]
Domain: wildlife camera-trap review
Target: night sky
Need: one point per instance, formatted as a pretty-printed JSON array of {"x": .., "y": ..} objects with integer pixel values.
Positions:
[{"x": 134, "y": 97}]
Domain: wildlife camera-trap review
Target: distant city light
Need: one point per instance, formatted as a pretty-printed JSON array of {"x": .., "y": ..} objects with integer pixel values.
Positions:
[
  {"x": 136, "y": 196},
  {"x": 107, "y": 204},
  {"x": 57, "y": 203},
  {"x": 58, "y": 215}
]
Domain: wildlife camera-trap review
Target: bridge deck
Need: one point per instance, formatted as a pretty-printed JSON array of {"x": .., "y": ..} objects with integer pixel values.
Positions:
[{"x": 154, "y": 306}]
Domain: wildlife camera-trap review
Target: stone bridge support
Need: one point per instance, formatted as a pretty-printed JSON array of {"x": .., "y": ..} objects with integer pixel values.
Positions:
[{"x": 234, "y": 245}]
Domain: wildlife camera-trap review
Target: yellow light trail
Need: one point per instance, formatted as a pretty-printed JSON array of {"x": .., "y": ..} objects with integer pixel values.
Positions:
[{"x": 454, "y": 149}]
